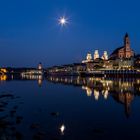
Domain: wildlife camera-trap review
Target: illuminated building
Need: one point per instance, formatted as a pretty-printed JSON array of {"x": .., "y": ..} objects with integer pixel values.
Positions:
[
  {"x": 123, "y": 57},
  {"x": 78, "y": 67},
  {"x": 96, "y": 54},
  {"x": 32, "y": 71},
  {"x": 88, "y": 58},
  {"x": 3, "y": 71},
  {"x": 137, "y": 61},
  {"x": 123, "y": 52},
  {"x": 3, "y": 76},
  {"x": 40, "y": 66},
  {"x": 105, "y": 56},
  {"x": 125, "y": 63}
]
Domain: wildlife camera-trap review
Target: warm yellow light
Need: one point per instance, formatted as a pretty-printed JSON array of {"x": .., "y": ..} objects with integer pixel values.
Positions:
[
  {"x": 89, "y": 91},
  {"x": 96, "y": 94},
  {"x": 3, "y": 78},
  {"x": 3, "y": 70},
  {"x": 105, "y": 94}
]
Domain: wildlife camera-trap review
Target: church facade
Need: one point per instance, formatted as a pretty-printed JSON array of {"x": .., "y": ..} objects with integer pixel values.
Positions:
[{"x": 124, "y": 52}]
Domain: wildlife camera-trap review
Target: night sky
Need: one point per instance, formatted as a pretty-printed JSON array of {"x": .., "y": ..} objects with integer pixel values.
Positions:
[{"x": 30, "y": 33}]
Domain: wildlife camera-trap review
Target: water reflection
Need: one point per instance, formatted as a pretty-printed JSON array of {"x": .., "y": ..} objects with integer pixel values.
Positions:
[
  {"x": 39, "y": 78},
  {"x": 121, "y": 90},
  {"x": 3, "y": 77},
  {"x": 62, "y": 129},
  {"x": 62, "y": 114},
  {"x": 22, "y": 77}
]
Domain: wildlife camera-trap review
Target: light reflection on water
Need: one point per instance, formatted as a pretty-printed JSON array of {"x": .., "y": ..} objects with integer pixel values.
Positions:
[
  {"x": 122, "y": 90},
  {"x": 76, "y": 107}
]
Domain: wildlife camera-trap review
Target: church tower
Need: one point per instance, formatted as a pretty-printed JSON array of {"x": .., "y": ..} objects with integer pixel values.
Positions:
[
  {"x": 96, "y": 55},
  {"x": 127, "y": 50},
  {"x": 127, "y": 42}
]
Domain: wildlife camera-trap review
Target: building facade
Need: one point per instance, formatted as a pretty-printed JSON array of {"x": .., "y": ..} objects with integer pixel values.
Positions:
[{"x": 124, "y": 51}]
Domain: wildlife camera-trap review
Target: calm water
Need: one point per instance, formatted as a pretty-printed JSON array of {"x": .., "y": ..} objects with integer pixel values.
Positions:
[{"x": 89, "y": 108}]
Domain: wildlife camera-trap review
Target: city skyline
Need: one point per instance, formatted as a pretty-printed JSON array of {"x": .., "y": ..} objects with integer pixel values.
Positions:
[
  {"x": 30, "y": 33},
  {"x": 69, "y": 69}
]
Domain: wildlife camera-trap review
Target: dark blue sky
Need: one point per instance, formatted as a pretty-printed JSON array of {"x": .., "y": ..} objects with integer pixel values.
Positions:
[{"x": 29, "y": 32}]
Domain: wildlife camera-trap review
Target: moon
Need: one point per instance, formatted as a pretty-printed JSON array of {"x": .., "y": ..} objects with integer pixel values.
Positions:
[{"x": 62, "y": 21}]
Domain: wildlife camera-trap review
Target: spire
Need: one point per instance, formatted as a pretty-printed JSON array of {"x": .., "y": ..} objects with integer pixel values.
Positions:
[
  {"x": 126, "y": 41},
  {"x": 126, "y": 35}
]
